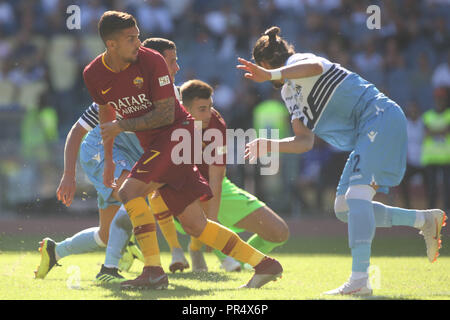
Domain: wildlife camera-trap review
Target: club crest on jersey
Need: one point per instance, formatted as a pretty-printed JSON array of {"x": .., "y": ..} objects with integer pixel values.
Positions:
[{"x": 138, "y": 82}]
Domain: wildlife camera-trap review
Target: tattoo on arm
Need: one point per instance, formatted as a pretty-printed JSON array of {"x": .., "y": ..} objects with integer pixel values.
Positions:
[{"x": 163, "y": 114}]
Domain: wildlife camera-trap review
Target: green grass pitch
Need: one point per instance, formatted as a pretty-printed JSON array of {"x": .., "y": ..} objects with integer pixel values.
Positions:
[{"x": 311, "y": 265}]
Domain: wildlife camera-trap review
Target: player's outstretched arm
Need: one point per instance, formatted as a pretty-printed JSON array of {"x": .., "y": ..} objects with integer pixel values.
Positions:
[
  {"x": 67, "y": 186},
  {"x": 303, "y": 141},
  {"x": 302, "y": 69}
]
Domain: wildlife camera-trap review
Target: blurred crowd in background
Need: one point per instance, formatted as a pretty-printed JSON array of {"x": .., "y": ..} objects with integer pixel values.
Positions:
[{"x": 42, "y": 92}]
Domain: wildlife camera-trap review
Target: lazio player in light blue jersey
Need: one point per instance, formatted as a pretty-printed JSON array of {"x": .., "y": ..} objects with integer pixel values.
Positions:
[{"x": 348, "y": 112}]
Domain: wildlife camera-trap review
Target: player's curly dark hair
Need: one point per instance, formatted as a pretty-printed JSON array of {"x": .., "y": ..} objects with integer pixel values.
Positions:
[
  {"x": 113, "y": 21},
  {"x": 272, "y": 49}
]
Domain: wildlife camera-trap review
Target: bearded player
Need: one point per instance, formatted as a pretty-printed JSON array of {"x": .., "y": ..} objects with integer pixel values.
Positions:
[
  {"x": 134, "y": 82},
  {"x": 127, "y": 151}
]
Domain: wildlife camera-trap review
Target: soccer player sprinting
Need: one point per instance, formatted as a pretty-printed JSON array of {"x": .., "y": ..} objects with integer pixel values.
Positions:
[
  {"x": 134, "y": 82},
  {"x": 329, "y": 101},
  {"x": 127, "y": 151}
]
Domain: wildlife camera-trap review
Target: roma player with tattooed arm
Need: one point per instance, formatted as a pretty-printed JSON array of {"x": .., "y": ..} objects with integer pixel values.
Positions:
[
  {"x": 127, "y": 151},
  {"x": 329, "y": 101},
  {"x": 121, "y": 227},
  {"x": 134, "y": 82}
]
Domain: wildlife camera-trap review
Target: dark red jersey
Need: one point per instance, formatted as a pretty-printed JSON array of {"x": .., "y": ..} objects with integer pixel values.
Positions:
[
  {"x": 133, "y": 91},
  {"x": 219, "y": 152}
]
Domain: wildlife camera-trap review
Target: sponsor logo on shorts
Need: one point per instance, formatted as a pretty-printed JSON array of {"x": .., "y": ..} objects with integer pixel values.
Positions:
[
  {"x": 372, "y": 135},
  {"x": 96, "y": 157},
  {"x": 379, "y": 110}
]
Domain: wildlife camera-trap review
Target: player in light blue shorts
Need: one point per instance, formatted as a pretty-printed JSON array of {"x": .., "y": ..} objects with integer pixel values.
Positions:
[
  {"x": 126, "y": 152},
  {"x": 339, "y": 106}
]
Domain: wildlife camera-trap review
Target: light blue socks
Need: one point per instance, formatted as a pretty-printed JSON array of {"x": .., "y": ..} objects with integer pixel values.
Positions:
[
  {"x": 386, "y": 216},
  {"x": 361, "y": 230},
  {"x": 82, "y": 242},
  {"x": 119, "y": 233}
]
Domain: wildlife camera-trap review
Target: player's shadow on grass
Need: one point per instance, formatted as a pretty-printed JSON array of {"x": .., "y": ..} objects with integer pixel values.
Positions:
[
  {"x": 173, "y": 291},
  {"x": 209, "y": 276}
]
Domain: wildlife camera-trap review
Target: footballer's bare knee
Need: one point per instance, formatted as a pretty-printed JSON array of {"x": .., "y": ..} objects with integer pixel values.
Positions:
[
  {"x": 123, "y": 194},
  {"x": 266, "y": 224},
  {"x": 281, "y": 233},
  {"x": 278, "y": 232},
  {"x": 133, "y": 188},
  {"x": 193, "y": 220}
]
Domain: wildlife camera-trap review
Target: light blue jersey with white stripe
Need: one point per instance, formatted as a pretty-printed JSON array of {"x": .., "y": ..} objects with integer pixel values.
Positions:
[
  {"x": 333, "y": 104},
  {"x": 89, "y": 120},
  {"x": 351, "y": 114}
]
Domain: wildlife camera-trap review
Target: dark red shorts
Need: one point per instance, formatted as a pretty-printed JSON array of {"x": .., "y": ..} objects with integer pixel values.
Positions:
[
  {"x": 195, "y": 187},
  {"x": 183, "y": 182}
]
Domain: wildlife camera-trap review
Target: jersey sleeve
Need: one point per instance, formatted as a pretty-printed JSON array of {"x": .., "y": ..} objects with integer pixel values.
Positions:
[
  {"x": 300, "y": 57},
  {"x": 89, "y": 119},
  {"x": 160, "y": 84},
  {"x": 221, "y": 150},
  {"x": 89, "y": 81},
  {"x": 326, "y": 64}
]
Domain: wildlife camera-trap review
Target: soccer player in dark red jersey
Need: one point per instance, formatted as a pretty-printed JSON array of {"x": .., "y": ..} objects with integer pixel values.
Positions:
[
  {"x": 231, "y": 206},
  {"x": 135, "y": 82}
]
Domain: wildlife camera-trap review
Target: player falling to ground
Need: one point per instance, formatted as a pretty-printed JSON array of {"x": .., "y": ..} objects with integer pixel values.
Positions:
[
  {"x": 134, "y": 82},
  {"x": 231, "y": 206},
  {"x": 329, "y": 101},
  {"x": 127, "y": 151}
]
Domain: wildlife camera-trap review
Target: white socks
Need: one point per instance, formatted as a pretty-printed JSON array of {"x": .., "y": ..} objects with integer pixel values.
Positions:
[{"x": 358, "y": 275}]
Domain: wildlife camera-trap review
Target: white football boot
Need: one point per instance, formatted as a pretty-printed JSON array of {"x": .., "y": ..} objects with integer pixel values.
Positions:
[
  {"x": 198, "y": 261},
  {"x": 230, "y": 265},
  {"x": 359, "y": 287},
  {"x": 179, "y": 261},
  {"x": 431, "y": 231}
]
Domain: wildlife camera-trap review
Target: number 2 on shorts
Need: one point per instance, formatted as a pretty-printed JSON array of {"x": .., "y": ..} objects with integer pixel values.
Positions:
[{"x": 356, "y": 158}]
